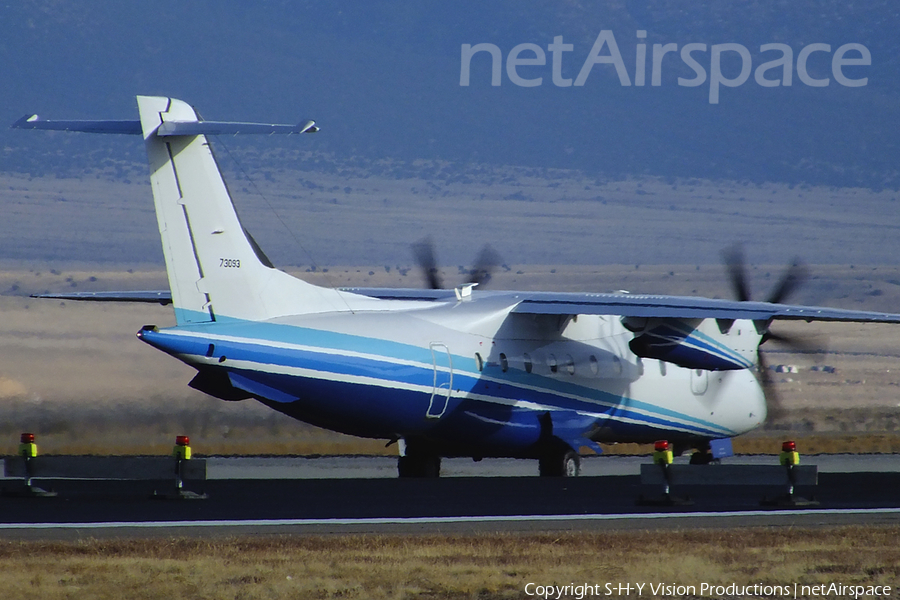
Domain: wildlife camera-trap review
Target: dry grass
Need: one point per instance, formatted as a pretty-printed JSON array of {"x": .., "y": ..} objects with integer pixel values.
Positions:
[
  {"x": 769, "y": 442},
  {"x": 866, "y": 443},
  {"x": 302, "y": 440},
  {"x": 249, "y": 428},
  {"x": 432, "y": 566}
]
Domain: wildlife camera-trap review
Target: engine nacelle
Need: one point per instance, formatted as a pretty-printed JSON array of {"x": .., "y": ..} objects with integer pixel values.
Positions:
[{"x": 705, "y": 344}]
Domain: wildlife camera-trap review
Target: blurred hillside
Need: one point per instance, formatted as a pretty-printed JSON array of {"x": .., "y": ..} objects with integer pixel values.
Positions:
[
  {"x": 373, "y": 211},
  {"x": 595, "y": 174},
  {"x": 383, "y": 79}
]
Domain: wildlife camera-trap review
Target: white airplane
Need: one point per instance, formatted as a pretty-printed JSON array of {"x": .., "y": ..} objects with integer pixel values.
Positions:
[{"x": 444, "y": 373}]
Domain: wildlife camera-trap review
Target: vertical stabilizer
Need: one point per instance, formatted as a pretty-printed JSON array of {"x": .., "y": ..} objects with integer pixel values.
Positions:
[{"x": 215, "y": 270}]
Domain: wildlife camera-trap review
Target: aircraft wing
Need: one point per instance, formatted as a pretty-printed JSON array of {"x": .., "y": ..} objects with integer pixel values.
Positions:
[
  {"x": 642, "y": 305},
  {"x": 684, "y": 307},
  {"x": 151, "y": 296},
  {"x": 557, "y": 303},
  {"x": 165, "y": 296}
]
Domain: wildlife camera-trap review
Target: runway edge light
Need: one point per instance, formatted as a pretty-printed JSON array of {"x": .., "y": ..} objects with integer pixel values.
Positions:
[
  {"x": 27, "y": 451},
  {"x": 662, "y": 453},
  {"x": 789, "y": 455},
  {"x": 182, "y": 449},
  {"x": 27, "y": 447},
  {"x": 181, "y": 452}
]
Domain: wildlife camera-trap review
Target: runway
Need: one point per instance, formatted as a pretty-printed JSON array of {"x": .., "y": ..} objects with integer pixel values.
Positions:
[{"x": 362, "y": 495}]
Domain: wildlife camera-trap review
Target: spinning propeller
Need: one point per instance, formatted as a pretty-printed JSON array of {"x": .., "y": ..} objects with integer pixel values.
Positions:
[
  {"x": 485, "y": 263},
  {"x": 792, "y": 279}
]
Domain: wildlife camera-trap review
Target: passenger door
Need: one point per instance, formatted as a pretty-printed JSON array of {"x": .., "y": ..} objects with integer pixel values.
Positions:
[{"x": 443, "y": 381}]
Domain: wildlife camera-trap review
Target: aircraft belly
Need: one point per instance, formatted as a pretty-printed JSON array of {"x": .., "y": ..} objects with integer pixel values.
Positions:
[
  {"x": 372, "y": 387},
  {"x": 365, "y": 411},
  {"x": 369, "y": 410}
]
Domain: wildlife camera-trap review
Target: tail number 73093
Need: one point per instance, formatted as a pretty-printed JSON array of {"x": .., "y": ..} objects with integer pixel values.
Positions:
[{"x": 230, "y": 263}]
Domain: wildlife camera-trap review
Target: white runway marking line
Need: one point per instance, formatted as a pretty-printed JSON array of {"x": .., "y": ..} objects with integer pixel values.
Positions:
[{"x": 445, "y": 520}]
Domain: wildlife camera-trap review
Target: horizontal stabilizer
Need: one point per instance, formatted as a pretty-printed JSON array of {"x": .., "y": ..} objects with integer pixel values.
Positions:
[
  {"x": 35, "y": 122},
  {"x": 159, "y": 296},
  {"x": 170, "y": 128},
  {"x": 166, "y": 129}
]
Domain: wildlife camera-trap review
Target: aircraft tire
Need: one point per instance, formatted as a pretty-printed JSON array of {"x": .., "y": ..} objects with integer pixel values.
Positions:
[
  {"x": 560, "y": 464},
  {"x": 419, "y": 466},
  {"x": 702, "y": 457}
]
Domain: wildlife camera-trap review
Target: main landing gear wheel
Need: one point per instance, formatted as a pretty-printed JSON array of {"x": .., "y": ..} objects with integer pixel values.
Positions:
[
  {"x": 560, "y": 464},
  {"x": 703, "y": 456},
  {"x": 419, "y": 465}
]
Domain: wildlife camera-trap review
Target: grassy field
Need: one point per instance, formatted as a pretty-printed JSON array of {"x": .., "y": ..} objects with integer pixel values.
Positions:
[{"x": 444, "y": 567}]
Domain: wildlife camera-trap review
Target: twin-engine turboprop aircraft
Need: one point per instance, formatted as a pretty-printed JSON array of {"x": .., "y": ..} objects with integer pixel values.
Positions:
[{"x": 459, "y": 372}]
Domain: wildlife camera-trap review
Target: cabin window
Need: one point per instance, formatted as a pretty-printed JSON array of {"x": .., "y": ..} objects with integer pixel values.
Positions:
[
  {"x": 617, "y": 365},
  {"x": 570, "y": 365},
  {"x": 551, "y": 362},
  {"x": 595, "y": 366},
  {"x": 479, "y": 362},
  {"x": 662, "y": 368},
  {"x": 528, "y": 364},
  {"x": 504, "y": 363}
]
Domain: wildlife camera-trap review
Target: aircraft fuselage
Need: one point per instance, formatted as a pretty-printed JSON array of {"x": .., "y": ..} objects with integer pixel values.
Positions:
[{"x": 467, "y": 377}]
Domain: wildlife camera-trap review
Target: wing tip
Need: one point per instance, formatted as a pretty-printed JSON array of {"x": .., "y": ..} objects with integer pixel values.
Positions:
[{"x": 24, "y": 122}]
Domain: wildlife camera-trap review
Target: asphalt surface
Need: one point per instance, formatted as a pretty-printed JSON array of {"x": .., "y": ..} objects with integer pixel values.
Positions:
[{"x": 373, "y": 500}]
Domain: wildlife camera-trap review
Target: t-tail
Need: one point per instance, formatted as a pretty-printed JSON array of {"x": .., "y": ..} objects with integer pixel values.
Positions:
[{"x": 216, "y": 270}]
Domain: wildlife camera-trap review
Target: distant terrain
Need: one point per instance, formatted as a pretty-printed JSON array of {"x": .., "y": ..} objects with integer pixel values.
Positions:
[{"x": 325, "y": 212}]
